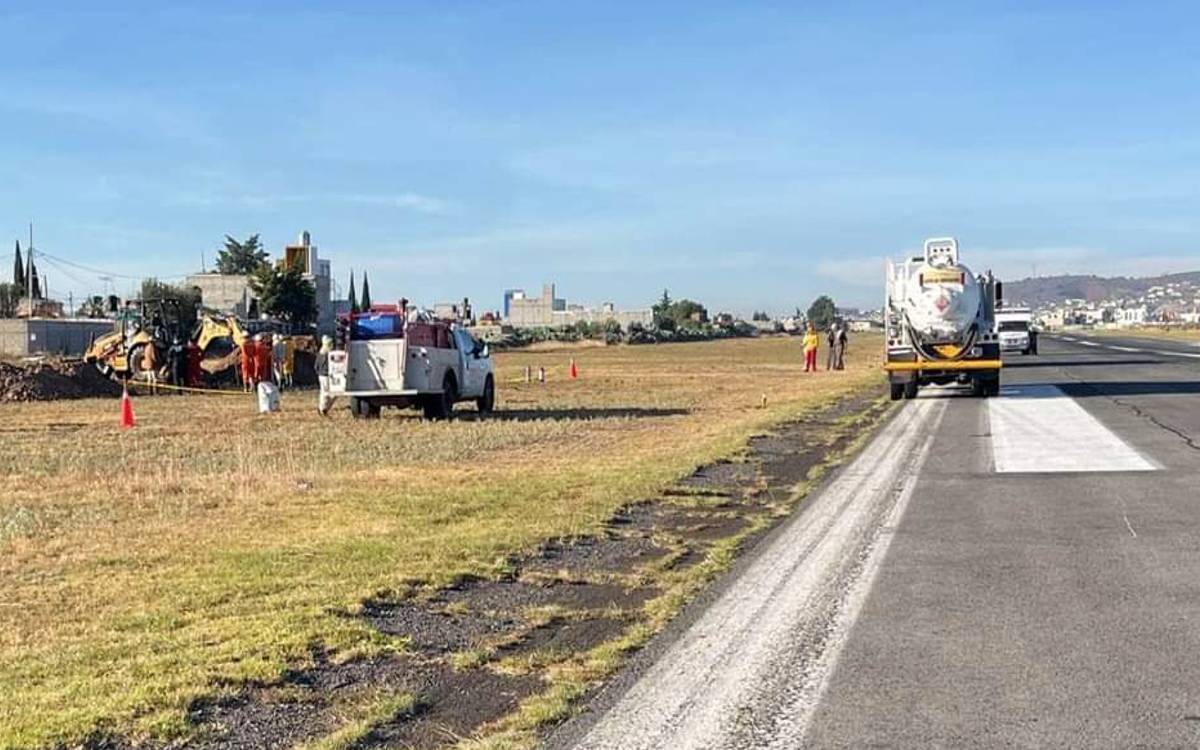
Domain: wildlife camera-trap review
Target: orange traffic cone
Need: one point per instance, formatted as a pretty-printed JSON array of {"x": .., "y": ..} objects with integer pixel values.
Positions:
[
  {"x": 126, "y": 408},
  {"x": 574, "y": 370}
]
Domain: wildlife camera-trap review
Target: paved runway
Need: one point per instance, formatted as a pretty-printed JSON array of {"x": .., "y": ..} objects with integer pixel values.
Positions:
[{"x": 1020, "y": 572}]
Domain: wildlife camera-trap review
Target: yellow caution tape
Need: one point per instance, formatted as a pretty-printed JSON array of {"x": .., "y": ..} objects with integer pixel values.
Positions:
[{"x": 185, "y": 389}]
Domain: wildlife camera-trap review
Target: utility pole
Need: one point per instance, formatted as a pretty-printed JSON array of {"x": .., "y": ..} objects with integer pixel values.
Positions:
[{"x": 29, "y": 271}]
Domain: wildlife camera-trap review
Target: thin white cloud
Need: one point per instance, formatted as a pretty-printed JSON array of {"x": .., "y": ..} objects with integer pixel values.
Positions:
[
  {"x": 420, "y": 203},
  {"x": 860, "y": 272}
]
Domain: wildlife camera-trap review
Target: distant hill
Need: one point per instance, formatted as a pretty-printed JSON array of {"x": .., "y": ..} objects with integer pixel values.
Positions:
[{"x": 1048, "y": 289}]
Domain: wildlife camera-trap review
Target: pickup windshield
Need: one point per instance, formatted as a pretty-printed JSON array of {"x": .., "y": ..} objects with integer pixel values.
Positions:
[{"x": 1014, "y": 325}]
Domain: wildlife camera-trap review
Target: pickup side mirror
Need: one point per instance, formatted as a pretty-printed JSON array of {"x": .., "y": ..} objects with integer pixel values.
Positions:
[{"x": 481, "y": 351}]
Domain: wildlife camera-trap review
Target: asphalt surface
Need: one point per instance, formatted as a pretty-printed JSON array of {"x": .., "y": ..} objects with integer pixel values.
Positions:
[{"x": 1019, "y": 572}]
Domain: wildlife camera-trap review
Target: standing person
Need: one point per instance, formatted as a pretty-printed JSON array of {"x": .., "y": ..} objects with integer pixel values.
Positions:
[
  {"x": 177, "y": 364},
  {"x": 811, "y": 342},
  {"x": 249, "y": 366},
  {"x": 289, "y": 361},
  {"x": 831, "y": 348},
  {"x": 194, "y": 373},
  {"x": 262, "y": 358},
  {"x": 278, "y": 355},
  {"x": 325, "y": 397},
  {"x": 843, "y": 338},
  {"x": 150, "y": 365}
]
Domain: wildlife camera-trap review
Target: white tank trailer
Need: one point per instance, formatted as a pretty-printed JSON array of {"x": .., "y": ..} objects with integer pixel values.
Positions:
[{"x": 940, "y": 323}]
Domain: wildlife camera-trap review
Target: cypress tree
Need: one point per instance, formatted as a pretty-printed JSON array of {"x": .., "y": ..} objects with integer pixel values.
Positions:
[
  {"x": 353, "y": 296},
  {"x": 37, "y": 286},
  {"x": 366, "y": 293},
  {"x": 19, "y": 271}
]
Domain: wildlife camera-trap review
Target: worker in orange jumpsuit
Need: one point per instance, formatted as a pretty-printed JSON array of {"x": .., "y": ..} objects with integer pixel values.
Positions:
[
  {"x": 262, "y": 359},
  {"x": 249, "y": 350}
]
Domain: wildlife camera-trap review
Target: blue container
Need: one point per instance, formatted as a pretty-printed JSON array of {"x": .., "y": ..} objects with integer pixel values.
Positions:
[{"x": 377, "y": 326}]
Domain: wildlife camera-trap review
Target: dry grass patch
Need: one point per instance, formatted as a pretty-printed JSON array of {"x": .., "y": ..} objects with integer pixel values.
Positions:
[{"x": 142, "y": 570}]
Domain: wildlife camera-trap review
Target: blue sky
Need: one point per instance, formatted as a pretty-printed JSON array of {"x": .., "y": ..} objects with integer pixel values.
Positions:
[{"x": 748, "y": 155}]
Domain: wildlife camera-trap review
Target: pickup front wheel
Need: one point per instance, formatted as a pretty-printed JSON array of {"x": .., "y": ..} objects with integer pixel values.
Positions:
[{"x": 487, "y": 402}]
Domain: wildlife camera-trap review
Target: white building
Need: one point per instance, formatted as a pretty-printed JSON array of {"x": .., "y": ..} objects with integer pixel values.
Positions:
[
  {"x": 318, "y": 273},
  {"x": 1127, "y": 317}
]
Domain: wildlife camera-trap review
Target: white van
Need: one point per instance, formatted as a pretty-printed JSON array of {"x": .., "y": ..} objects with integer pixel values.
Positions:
[{"x": 1015, "y": 326}]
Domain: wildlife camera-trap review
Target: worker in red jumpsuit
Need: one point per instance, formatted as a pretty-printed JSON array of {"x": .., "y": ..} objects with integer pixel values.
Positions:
[
  {"x": 194, "y": 374},
  {"x": 249, "y": 350},
  {"x": 262, "y": 358}
]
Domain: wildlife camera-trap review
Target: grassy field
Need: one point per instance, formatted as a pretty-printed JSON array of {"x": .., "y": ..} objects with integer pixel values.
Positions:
[{"x": 211, "y": 545}]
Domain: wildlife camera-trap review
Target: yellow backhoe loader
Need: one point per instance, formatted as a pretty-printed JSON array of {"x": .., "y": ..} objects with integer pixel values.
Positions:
[
  {"x": 220, "y": 340},
  {"x": 146, "y": 323}
]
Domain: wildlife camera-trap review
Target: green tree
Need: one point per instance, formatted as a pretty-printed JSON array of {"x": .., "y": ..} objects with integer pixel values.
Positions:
[
  {"x": 10, "y": 297},
  {"x": 365, "y": 302},
  {"x": 662, "y": 313},
  {"x": 688, "y": 313},
  {"x": 188, "y": 299},
  {"x": 760, "y": 316},
  {"x": 240, "y": 258},
  {"x": 92, "y": 307},
  {"x": 353, "y": 297},
  {"x": 822, "y": 312},
  {"x": 285, "y": 294},
  {"x": 18, "y": 281}
]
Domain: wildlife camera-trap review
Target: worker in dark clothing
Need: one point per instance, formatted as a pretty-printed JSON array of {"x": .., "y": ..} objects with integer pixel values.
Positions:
[{"x": 177, "y": 363}]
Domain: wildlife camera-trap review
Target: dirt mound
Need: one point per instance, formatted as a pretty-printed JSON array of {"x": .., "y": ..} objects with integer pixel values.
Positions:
[{"x": 50, "y": 379}]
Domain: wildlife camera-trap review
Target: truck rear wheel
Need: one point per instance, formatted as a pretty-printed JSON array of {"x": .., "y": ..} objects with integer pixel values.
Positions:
[
  {"x": 441, "y": 406},
  {"x": 361, "y": 408},
  {"x": 897, "y": 391},
  {"x": 910, "y": 389}
]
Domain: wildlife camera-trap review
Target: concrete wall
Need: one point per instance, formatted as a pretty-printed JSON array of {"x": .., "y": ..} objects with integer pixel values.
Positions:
[
  {"x": 71, "y": 337},
  {"x": 623, "y": 317},
  {"x": 228, "y": 294}
]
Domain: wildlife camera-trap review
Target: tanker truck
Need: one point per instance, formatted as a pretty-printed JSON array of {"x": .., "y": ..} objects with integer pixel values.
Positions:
[{"x": 940, "y": 323}]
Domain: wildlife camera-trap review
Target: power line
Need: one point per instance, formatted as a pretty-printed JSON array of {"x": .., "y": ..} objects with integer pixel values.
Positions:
[
  {"x": 113, "y": 274},
  {"x": 66, "y": 271}
]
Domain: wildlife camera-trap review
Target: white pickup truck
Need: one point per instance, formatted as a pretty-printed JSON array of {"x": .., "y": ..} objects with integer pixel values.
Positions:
[
  {"x": 431, "y": 365},
  {"x": 1016, "y": 330}
]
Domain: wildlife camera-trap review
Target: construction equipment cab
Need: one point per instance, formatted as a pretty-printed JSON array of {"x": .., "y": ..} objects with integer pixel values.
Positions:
[
  {"x": 940, "y": 323},
  {"x": 390, "y": 360}
]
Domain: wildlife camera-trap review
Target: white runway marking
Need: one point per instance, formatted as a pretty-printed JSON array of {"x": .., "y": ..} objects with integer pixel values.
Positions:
[
  {"x": 1176, "y": 354},
  {"x": 1129, "y": 526},
  {"x": 1125, "y": 349},
  {"x": 1038, "y": 428},
  {"x": 744, "y": 673},
  {"x": 1089, "y": 343}
]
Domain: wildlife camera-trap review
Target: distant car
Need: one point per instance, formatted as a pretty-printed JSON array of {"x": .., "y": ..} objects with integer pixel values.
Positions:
[
  {"x": 432, "y": 365},
  {"x": 1017, "y": 334}
]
